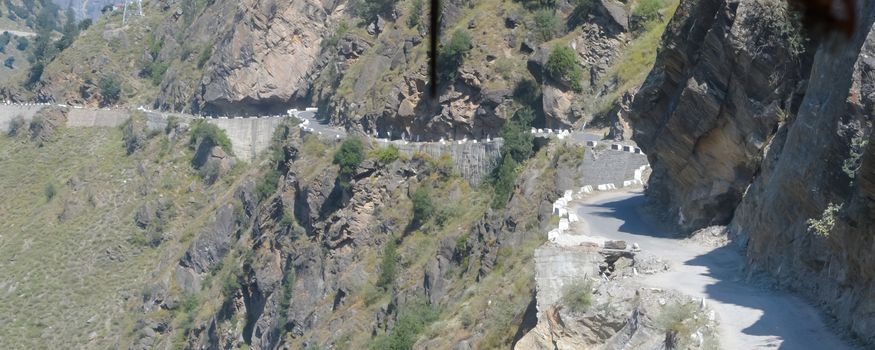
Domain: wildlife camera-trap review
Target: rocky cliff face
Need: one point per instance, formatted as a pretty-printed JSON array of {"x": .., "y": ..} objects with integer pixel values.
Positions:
[
  {"x": 743, "y": 129},
  {"x": 263, "y": 57},
  {"x": 266, "y": 60}
]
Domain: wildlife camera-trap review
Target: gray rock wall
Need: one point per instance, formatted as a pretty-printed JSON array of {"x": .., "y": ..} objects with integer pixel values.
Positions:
[
  {"x": 742, "y": 133},
  {"x": 558, "y": 268},
  {"x": 473, "y": 161}
]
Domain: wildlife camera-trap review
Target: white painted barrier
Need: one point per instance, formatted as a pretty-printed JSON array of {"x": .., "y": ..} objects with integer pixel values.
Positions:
[{"x": 564, "y": 224}]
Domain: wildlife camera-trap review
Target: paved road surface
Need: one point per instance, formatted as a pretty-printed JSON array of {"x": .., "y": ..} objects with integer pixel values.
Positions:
[
  {"x": 750, "y": 317},
  {"x": 319, "y": 127},
  {"x": 18, "y": 33}
]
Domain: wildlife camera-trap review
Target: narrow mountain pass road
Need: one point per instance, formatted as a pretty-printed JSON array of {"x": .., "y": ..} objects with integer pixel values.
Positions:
[
  {"x": 18, "y": 33},
  {"x": 750, "y": 317}
]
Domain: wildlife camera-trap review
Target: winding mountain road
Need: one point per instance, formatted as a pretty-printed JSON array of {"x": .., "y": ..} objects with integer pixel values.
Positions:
[
  {"x": 750, "y": 317},
  {"x": 18, "y": 33}
]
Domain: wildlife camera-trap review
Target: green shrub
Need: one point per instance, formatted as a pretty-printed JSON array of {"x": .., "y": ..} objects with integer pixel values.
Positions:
[
  {"x": 205, "y": 132},
  {"x": 231, "y": 282},
  {"x": 348, "y": 157},
  {"x": 157, "y": 71},
  {"x": 22, "y": 43},
  {"x": 423, "y": 208},
  {"x": 577, "y": 296},
  {"x": 679, "y": 320},
  {"x": 5, "y": 38},
  {"x": 267, "y": 185},
  {"x": 823, "y": 226},
  {"x": 388, "y": 155},
  {"x": 9, "y": 62},
  {"x": 50, "y": 191},
  {"x": 446, "y": 214},
  {"x": 210, "y": 172},
  {"x": 172, "y": 124},
  {"x": 527, "y": 92},
  {"x": 204, "y": 56},
  {"x": 35, "y": 75},
  {"x": 444, "y": 166},
  {"x": 189, "y": 313},
  {"x": 648, "y": 10},
  {"x": 154, "y": 46},
  {"x": 518, "y": 140},
  {"x": 517, "y": 148},
  {"x": 110, "y": 89},
  {"x": 780, "y": 25},
  {"x": 286, "y": 221},
  {"x": 339, "y": 33},
  {"x": 133, "y": 134},
  {"x": 852, "y": 165},
  {"x": 313, "y": 147},
  {"x": 562, "y": 66},
  {"x": 285, "y": 299},
  {"x": 15, "y": 126},
  {"x": 412, "y": 319},
  {"x": 415, "y": 13},
  {"x": 389, "y": 266},
  {"x": 85, "y": 24},
  {"x": 546, "y": 24},
  {"x": 451, "y": 57},
  {"x": 504, "y": 181}
]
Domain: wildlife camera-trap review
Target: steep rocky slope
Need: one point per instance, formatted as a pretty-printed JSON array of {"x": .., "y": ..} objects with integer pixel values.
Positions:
[
  {"x": 314, "y": 264},
  {"x": 161, "y": 243},
  {"x": 749, "y": 125},
  {"x": 256, "y": 57}
]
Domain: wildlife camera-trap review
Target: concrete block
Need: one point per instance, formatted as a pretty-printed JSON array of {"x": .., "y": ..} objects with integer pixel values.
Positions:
[{"x": 564, "y": 224}]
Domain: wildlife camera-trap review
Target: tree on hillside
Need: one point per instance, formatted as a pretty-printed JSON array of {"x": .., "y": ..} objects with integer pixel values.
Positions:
[
  {"x": 70, "y": 31},
  {"x": 22, "y": 43},
  {"x": 518, "y": 141},
  {"x": 546, "y": 24},
  {"x": 348, "y": 157},
  {"x": 562, "y": 66},
  {"x": 451, "y": 57},
  {"x": 110, "y": 89},
  {"x": 527, "y": 92},
  {"x": 518, "y": 147},
  {"x": 423, "y": 208},
  {"x": 35, "y": 74},
  {"x": 10, "y": 62}
]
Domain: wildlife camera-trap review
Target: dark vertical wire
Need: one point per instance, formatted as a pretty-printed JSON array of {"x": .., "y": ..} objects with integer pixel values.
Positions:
[{"x": 434, "y": 29}]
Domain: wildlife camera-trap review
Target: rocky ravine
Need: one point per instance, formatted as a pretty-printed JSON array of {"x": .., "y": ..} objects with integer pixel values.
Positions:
[{"x": 744, "y": 130}]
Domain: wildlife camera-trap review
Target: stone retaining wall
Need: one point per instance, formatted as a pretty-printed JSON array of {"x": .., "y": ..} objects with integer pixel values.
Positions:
[{"x": 473, "y": 160}]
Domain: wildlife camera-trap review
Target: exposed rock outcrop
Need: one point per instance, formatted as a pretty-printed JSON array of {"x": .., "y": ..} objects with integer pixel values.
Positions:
[
  {"x": 742, "y": 129},
  {"x": 265, "y": 62}
]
